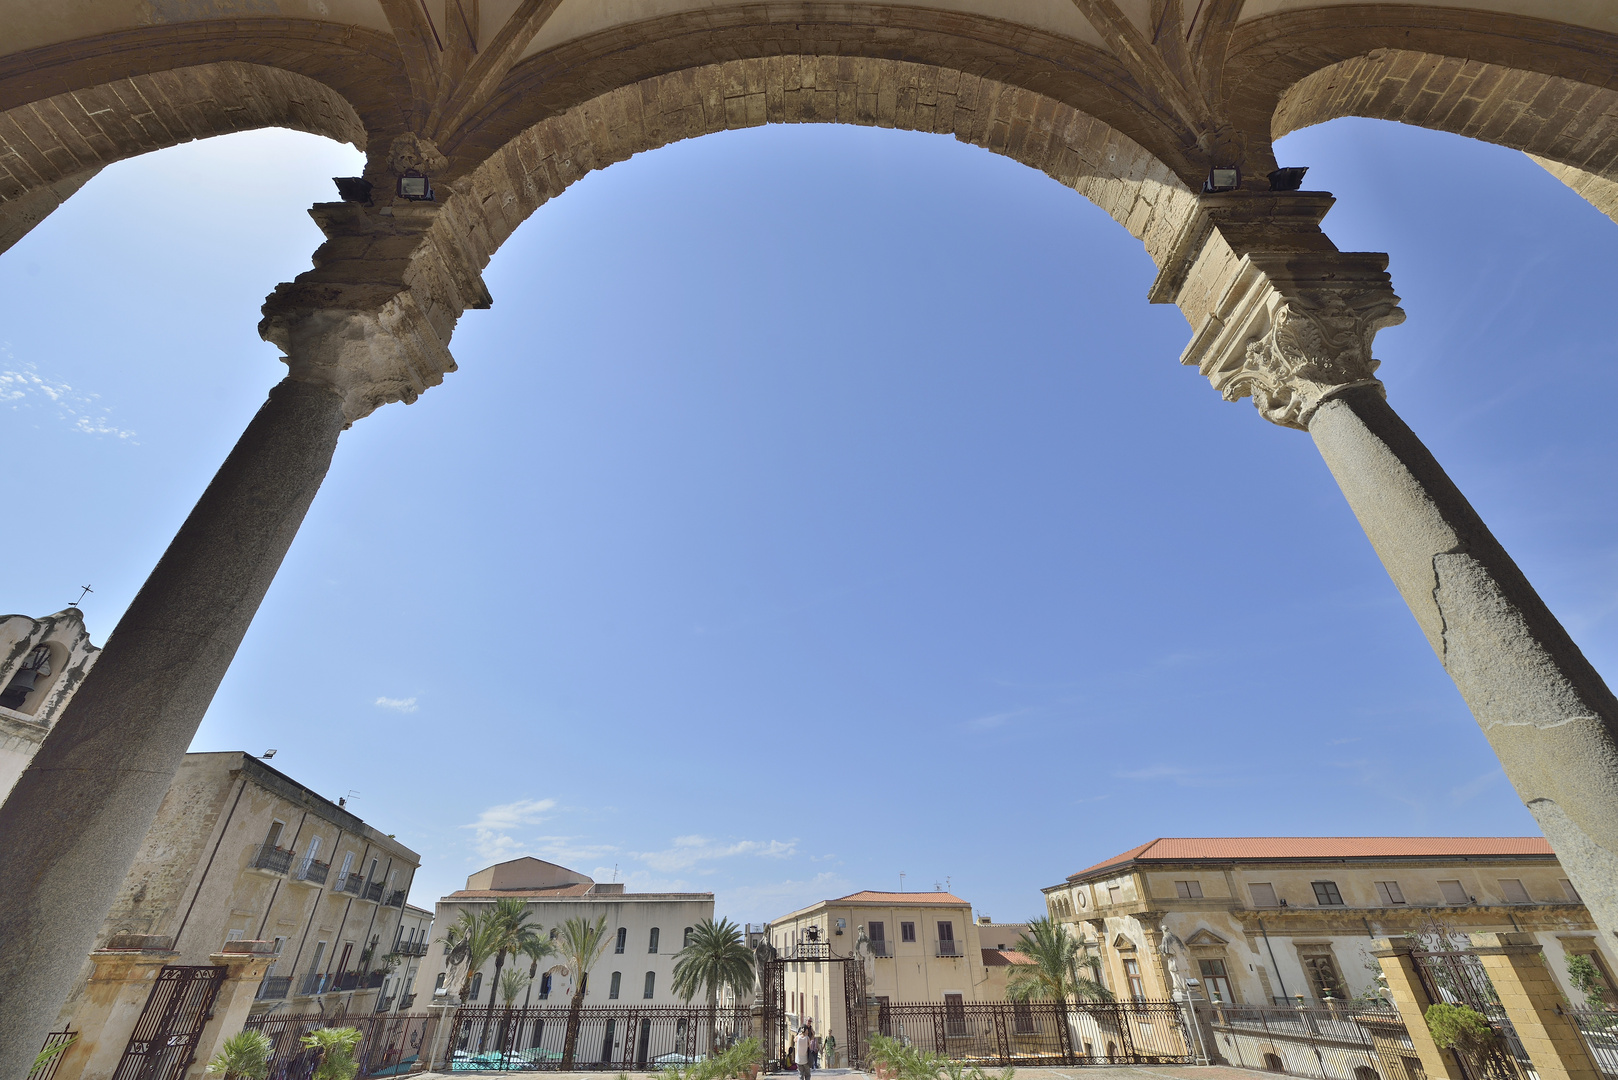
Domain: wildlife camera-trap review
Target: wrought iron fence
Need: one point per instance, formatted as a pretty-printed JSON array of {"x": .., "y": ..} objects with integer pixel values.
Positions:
[
  {"x": 1599, "y": 1029},
  {"x": 274, "y": 987},
  {"x": 313, "y": 870},
  {"x": 272, "y": 858},
  {"x": 607, "y": 1038},
  {"x": 1351, "y": 1040},
  {"x": 389, "y": 1045},
  {"x": 1456, "y": 977},
  {"x": 47, "y": 1069},
  {"x": 1043, "y": 1032}
]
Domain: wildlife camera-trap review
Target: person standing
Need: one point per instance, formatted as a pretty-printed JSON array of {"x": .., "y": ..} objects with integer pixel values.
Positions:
[
  {"x": 801, "y": 1051},
  {"x": 814, "y": 1049}
]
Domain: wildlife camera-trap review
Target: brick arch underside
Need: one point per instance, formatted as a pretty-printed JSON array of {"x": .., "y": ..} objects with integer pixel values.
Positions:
[
  {"x": 1075, "y": 149},
  {"x": 50, "y": 148},
  {"x": 1569, "y": 127}
]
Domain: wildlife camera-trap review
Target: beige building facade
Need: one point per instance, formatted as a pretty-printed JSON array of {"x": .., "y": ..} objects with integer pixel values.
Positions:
[
  {"x": 644, "y": 932},
  {"x": 42, "y": 661},
  {"x": 1265, "y": 920},
  {"x": 248, "y": 869}
]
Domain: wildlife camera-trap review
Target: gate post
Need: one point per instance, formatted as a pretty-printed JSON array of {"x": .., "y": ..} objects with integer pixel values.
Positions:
[
  {"x": 1516, "y": 966},
  {"x": 245, "y": 963},
  {"x": 121, "y": 979},
  {"x": 1411, "y": 999}
]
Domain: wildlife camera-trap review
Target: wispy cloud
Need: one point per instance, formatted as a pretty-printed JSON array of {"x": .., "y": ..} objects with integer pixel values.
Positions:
[
  {"x": 27, "y": 389},
  {"x": 1476, "y": 786},
  {"x": 492, "y": 830},
  {"x": 687, "y": 851},
  {"x": 397, "y": 704}
]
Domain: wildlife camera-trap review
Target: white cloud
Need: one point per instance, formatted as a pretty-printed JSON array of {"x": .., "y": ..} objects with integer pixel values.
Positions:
[
  {"x": 397, "y": 704},
  {"x": 492, "y": 838},
  {"x": 688, "y": 851},
  {"x": 26, "y": 389}
]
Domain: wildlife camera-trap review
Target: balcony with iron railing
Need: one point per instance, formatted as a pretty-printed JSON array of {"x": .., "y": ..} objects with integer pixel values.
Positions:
[
  {"x": 881, "y": 948},
  {"x": 373, "y": 892},
  {"x": 406, "y": 1001},
  {"x": 274, "y": 859},
  {"x": 411, "y": 948},
  {"x": 313, "y": 871},
  {"x": 274, "y": 987},
  {"x": 947, "y": 947},
  {"x": 351, "y": 883},
  {"x": 396, "y": 898},
  {"x": 316, "y": 982},
  {"x": 383, "y": 1004}
]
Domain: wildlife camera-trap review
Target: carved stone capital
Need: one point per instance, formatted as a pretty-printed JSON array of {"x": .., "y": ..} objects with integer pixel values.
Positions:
[
  {"x": 1293, "y": 330},
  {"x": 372, "y": 321}
]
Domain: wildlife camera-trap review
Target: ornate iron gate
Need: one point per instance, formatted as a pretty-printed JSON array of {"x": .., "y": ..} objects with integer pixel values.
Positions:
[
  {"x": 164, "y": 1042},
  {"x": 1456, "y": 977}
]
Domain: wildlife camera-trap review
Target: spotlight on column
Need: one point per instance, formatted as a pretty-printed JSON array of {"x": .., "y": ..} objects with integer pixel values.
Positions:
[
  {"x": 1222, "y": 178},
  {"x": 1288, "y": 179},
  {"x": 416, "y": 187},
  {"x": 355, "y": 189}
]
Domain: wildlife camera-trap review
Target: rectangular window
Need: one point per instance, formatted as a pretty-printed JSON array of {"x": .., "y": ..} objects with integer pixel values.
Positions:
[
  {"x": 1323, "y": 977},
  {"x": 946, "y": 931},
  {"x": 1115, "y": 894},
  {"x": 477, "y": 986},
  {"x": 1603, "y": 984},
  {"x": 876, "y": 931},
  {"x": 1388, "y": 892},
  {"x": 348, "y": 865},
  {"x": 1453, "y": 892},
  {"x": 1189, "y": 890},
  {"x": 320, "y": 954},
  {"x": 1512, "y": 890},
  {"x": 1326, "y": 894},
  {"x": 1263, "y": 894},
  {"x": 1137, "y": 987},
  {"x": 1216, "y": 981},
  {"x": 651, "y": 983},
  {"x": 273, "y": 839},
  {"x": 651, "y": 943},
  {"x": 1572, "y": 893},
  {"x": 623, "y": 938},
  {"x": 954, "y": 1014},
  {"x": 612, "y": 988},
  {"x": 907, "y": 931}
]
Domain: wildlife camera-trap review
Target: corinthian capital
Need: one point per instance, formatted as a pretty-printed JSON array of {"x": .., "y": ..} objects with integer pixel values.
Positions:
[{"x": 1294, "y": 330}]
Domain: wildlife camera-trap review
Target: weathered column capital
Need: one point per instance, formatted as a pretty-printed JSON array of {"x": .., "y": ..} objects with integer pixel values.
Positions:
[
  {"x": 1293, "y": 330},
  {"x": 372, "y": 321}
]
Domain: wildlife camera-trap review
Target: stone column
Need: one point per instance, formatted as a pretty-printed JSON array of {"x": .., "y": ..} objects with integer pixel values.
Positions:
[
  {"x": 1412, "y": 1001},
  {"x": 368, "y": 325},
  {"x": 1288, "y": 320},
  {"x": 245, "y": 963},
  {"x": 1533, "y": 1002}
]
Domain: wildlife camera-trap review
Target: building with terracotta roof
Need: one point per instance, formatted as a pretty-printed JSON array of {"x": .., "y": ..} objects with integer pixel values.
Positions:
[
  {"x": 644, "y": 931},
  {"x": 1266, "y": 919},
  {"x": 924, "y": 947}
]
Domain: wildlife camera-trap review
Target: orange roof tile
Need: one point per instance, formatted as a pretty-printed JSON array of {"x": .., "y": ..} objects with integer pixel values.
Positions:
[
  {"x": 870, "y": 897},
  {"x": 1239, "y": 848}
]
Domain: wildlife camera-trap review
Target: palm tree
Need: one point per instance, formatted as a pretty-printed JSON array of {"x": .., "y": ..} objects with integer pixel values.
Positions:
[
  {"x": 510, "y": 931},
  {"x": 536, "y": 949},
  {"x": 511, "y": 984},
  {"x": 471, "y": 941},
  {"x": 582, "y": 943},
  {"x": 715, "y": 956},
  {"x": 1052, "y": 973}
]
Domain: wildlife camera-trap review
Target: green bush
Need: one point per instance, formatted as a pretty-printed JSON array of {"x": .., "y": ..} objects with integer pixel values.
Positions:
[
  {"x": 909, "y": 1063},
  {"x": 1459, "y": 1027},
  {"x": 244, "y": 1056},
  {"x": 336, "y": 1046}
]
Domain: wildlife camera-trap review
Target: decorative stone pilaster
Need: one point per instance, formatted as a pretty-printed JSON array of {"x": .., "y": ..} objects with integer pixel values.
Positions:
[
  {"x": 245, "y": 963},
  {"x": 1533, "y": 1002},
  {"x": 372, "y": 321},
  {"x": 1411, "y": 999}
]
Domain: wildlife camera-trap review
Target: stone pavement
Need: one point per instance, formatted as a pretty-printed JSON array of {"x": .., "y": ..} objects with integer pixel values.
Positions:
[{"x": 1089, "y": 1072}]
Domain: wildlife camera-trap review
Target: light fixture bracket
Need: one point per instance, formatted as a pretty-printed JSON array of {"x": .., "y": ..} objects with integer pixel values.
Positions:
[
  {"x": 1222, "y": 178},
  {"x": 415, "y": 186}
]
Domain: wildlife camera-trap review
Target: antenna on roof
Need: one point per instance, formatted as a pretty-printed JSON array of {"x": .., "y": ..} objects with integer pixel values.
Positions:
[
  {"x": 87, "y": 590},
  {"x": 615, "y": 872}
]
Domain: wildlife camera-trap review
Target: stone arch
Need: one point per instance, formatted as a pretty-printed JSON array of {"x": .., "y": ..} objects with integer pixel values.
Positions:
[
  {"x": 1077, "y": 150},
  {"x": 50, "y": 148},
  {"x": 1568, "y": 126}
]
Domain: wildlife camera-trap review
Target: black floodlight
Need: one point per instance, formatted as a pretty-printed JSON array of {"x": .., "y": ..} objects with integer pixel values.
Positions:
[
  {"x": 355, "y": 189},
  {"x": 1288, "y": 179},
  {"x": 1222, "y": 178},
  {"x": 413, "y": 185}
]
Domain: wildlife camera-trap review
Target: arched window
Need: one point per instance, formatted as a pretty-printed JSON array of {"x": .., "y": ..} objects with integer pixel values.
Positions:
[
  {"x": 617, "y": 981},
  {"x": 439, "y": 985},
  {"x": 623, "y": 939},
  {"x": 1273, "y": 1063},
  {"x": 685, "y": 943},
  {"x": 32, "y": 674},
  {"x": 651, "y": 982},
  {"x": 477, "y": 985},
  {"x": 652, "y": 944}
]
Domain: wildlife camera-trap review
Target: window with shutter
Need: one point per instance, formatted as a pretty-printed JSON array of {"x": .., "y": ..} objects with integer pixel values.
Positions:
[
  {"x": 651, "y": 981},
  {"x": 1512, "y": 890},
  {"x": 1388, "y": 892},
  {"x": 612, "y": 988},
  {"x": 1453, "y": 892},
  {"x": 1326, "y": 894},
  {"x": 1572, "y": 893},
  {"x": 907, "y": 931},
  {"x": 1263, "y": 894},
  {"x": 1189, "y": 890}
]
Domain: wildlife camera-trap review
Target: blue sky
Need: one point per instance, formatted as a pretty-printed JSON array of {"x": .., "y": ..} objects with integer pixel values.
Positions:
[{"x": 817, "y": 505}]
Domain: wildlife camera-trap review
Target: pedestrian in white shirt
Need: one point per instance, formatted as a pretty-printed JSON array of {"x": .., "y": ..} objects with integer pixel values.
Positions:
[{"x": 801, "y": 1051}]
